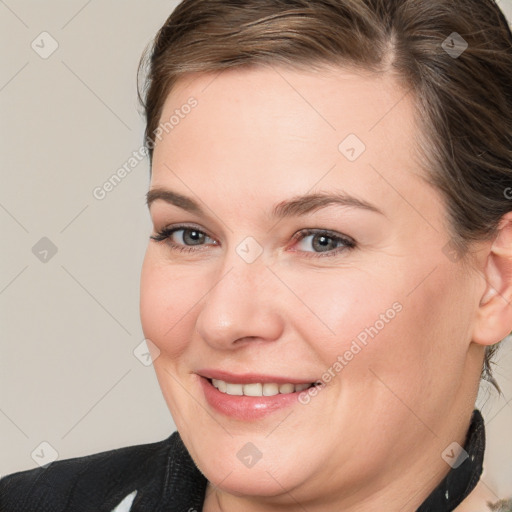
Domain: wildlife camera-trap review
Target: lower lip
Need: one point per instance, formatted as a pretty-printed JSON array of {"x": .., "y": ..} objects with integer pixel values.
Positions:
[{"x": 246, "y": 407}]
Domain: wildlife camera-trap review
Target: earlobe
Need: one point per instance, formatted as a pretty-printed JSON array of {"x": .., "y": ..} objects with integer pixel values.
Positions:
[{"x": 494, "y": 318}]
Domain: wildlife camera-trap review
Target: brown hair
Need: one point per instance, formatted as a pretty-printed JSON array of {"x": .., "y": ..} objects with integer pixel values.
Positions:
[{"x": 463, "y": 100}]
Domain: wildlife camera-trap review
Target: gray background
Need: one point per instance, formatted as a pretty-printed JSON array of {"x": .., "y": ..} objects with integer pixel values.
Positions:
[{"x": 70, "y": 324}]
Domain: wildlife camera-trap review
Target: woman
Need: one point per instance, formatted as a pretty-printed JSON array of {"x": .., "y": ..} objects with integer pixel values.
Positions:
[{"x": 331, "y": 261}]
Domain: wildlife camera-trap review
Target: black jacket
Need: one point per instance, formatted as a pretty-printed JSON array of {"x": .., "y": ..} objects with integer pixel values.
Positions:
[{"x": 162, "y": 477}]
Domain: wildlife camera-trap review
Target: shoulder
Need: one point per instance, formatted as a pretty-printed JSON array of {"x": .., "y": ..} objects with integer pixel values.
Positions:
[{"x": 94, "y": 482}]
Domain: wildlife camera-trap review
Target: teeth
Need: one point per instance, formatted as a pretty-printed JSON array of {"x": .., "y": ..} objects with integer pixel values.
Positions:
[
  {"x": 257, "y": 389},
  {"x": 234, "y": 389},
  {"x": 253, "y": 389},
  {"x": 220, "y": 385},
  {"x": 270, "y": 389},
  {"x": 286, "y": 388}
]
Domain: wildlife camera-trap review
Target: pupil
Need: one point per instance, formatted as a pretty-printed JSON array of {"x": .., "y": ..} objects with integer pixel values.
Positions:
[
  {"x": 193, "y": 236},
  {"x": 322, "y": 242}
]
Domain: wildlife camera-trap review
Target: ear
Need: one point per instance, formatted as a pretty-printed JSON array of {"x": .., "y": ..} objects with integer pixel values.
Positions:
[{"x": 494, "y": 317}]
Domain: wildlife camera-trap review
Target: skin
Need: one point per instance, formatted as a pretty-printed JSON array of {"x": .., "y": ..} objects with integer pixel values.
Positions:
[{"x": 262, "y": 136}]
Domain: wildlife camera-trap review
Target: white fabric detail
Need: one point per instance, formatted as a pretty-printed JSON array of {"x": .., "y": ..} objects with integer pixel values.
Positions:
[{"x": 126, "y": 504}]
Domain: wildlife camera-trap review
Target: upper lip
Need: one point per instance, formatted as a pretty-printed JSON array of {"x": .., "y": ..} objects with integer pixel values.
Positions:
[{"x": 249, "y": 378}]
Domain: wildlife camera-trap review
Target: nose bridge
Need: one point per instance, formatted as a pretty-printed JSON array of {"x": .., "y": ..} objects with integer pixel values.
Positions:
[
  {"x": 237, "y": 280},
  {"x": 240, "y": 303},
  {"x": 244, "y": 270}
]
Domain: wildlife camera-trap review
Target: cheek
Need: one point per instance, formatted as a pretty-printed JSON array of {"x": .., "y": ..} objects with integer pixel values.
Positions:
[
  {"x": 167, "y": 306},
  {"x": 413, "y": 331},
  {"x": 338, "y": 307},
  {"x": 419, "y": 355}
]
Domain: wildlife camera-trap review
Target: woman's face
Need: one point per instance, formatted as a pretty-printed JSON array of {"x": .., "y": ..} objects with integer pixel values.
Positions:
[{"x": 305, "y": 247}]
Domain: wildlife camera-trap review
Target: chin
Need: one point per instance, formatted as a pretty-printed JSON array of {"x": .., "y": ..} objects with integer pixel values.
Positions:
[
  {"x": 259, "y": 482},
  {"x": 238, "y": 467}
]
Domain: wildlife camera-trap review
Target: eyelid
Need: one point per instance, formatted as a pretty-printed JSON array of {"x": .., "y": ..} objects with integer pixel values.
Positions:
[
  {"x": 303, "y": 233},
  {"x": 164, "y": 235},
  {"x": 348, "y": 242},
  {"x": 172, "y": 228}
]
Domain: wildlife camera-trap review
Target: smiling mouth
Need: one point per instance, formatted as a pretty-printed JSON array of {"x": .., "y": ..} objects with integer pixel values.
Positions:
[{"x": 258, "y": 389}]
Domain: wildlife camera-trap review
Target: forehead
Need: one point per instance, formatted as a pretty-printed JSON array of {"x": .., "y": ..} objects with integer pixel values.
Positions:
[{"x": 290, "y": 130}]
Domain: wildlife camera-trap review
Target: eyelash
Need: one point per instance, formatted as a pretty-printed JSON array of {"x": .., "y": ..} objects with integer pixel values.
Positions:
[{"x": 348, "y": 243}]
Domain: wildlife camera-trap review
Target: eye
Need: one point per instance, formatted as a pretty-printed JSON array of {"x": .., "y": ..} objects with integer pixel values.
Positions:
[
  {"x": 323, "y": 242},
  {"x": 183, "y": 238},
  {"x": 314, "y": 242}
]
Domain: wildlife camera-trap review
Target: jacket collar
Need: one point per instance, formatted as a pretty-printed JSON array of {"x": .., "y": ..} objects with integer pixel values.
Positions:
[{"x": 465, "y": 473}]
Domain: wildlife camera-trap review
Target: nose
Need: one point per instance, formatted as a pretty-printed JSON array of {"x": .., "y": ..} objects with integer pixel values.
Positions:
[{"x": 242, "y": 305}]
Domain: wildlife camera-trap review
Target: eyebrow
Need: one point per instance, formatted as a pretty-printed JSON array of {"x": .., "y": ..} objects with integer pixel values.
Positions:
[{"x": 296, "y": 206}]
